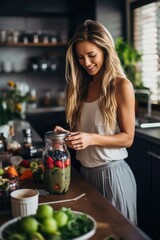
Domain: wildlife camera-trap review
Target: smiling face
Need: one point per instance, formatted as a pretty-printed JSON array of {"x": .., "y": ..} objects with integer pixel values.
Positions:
[{"x": 90, "y": 57}]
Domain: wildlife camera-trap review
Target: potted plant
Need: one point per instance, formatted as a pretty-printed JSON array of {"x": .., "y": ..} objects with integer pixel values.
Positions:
[
  {"x": 12, "y": 105},
  {"x": 130, "y": 58}
]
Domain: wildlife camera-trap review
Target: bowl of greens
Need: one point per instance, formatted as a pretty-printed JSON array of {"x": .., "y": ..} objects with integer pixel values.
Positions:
[{"x": 50, "y": 224}]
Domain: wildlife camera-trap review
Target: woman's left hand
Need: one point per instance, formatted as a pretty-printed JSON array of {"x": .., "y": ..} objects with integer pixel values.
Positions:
[{"x": 78, "y": 140}]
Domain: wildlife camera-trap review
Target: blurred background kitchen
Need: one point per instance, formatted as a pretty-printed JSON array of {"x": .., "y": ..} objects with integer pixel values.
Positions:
[{"x": 33, "y": 41}]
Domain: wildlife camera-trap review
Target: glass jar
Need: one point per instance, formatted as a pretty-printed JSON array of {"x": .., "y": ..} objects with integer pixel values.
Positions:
[
  {"x": 56, "y": 163},
  {"x": 6, "y": 187}
]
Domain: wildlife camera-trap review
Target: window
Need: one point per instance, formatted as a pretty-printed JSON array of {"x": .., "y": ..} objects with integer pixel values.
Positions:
[{"x": 146, "y": 38}]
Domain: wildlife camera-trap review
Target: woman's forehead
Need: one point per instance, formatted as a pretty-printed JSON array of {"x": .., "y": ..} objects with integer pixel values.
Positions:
[{"x": 86, "y": 46}]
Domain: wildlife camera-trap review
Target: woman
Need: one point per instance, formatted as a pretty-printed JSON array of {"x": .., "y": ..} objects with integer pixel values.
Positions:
[{"x": 100, "y": 111}]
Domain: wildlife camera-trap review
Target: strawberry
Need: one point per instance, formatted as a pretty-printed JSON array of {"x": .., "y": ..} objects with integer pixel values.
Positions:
[
  {"x": 59, "y": 164},
  {"x": 49, "y": 160},
  {"x": 24, "y": 163},
  {"x": 50, "y": 165},
  {"x": 67, "y": 162}
]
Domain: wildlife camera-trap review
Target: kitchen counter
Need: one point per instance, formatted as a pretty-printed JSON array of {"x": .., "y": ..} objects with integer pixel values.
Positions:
[
  {"x": 109, "y": 220},
  {"x": 19, "y": 125},
  {"x": 44, "y": 109},
  {"x": 151, "y": 134},
  {"x": 143, "y": 158}
]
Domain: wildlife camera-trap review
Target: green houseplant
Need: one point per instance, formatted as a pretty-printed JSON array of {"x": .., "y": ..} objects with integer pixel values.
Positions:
[
  {"x": 130, "y": 58},
  {"x": 12, "y": 102}
]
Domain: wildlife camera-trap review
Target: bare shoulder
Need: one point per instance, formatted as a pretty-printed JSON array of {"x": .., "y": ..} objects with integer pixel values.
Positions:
[
  {"x": 123, "y": 83},
  {"x": 123, "y": 87}
]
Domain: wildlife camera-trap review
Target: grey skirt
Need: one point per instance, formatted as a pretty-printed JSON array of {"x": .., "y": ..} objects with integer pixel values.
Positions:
[{"x": 116, "y": 182}]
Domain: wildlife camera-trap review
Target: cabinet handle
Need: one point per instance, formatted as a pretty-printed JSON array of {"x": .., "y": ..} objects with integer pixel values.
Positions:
[{"x": 153, "y": 155}]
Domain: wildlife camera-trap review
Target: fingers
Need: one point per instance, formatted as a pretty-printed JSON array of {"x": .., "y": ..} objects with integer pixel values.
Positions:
[
  {"x": 74, "y": 141},
  {"x": 59, "y": 129}
]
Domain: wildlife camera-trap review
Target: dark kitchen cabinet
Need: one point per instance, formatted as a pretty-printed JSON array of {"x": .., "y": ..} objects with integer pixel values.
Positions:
[
  {"x": 45, "y": 121},
  {"x": 140, "y": 165},
  {"x": 154, "y": 158},
  {"x": 32, "y": 49},
  {"x": 144, "y": 160},
  {"x": 43, "y": 29}
]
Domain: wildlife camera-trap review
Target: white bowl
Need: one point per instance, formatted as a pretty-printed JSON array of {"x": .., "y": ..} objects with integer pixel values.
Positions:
[{"x": 85, "y": 236}]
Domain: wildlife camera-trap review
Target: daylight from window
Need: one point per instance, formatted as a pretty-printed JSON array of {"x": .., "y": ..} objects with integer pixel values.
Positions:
[{"x": 147, "y": 41}]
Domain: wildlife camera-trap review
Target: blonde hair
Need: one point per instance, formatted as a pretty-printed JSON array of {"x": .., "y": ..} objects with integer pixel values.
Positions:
[{"x": 78, "y": 79}]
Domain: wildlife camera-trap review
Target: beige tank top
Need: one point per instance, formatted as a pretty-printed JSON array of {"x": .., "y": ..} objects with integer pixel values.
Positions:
[{"x": 92, "y": 122}]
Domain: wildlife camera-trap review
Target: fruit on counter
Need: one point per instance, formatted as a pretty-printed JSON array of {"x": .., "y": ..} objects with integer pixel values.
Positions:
[
  {"x": 49, "y": 226},
  {"x": 25, "y": 170},
  {"x": 44, "y": 211},
  {"x": 1, "y": 171},
  {"x": 37, "y": 236},
  {"x": 28, "y": 166},
  {"x": 61, "y": 218},
  {"x": 24, "y": 163},
  {"x": 28, "y": 225},
  {"x": 26, "y": 175},
  {"x": 10, "y": 172},
  {"x": 61, "y": 225},
  {"x": 4, "y": 184},
  {"x": 21, "y": 170},
  {"x": 33, "y": 165}
]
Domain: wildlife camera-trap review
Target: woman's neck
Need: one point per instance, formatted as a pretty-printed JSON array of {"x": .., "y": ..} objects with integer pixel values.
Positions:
[{"x": 94, "y": 90}]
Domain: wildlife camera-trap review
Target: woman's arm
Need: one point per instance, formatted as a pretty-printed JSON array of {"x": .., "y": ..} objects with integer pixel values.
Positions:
[{"x": 126, "y": 119}]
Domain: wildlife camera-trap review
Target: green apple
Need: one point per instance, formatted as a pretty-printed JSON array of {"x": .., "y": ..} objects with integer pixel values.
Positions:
[
  {"x": 1, "y": 171},
  {"x": 21, "y": 170},
  {"x": 36, "y": 236},
  {"x": 28, "y": 225},
  {"x": 61, "y": 218},
  {"x": 49, "y": 226},
  {"x": 44, "y": 211}
]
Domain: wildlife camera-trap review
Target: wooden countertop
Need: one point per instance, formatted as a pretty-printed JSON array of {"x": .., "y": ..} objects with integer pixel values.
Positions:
[{"x": 109, "y": 220}]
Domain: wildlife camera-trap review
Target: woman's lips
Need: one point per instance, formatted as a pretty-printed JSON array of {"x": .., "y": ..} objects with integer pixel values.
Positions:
[{"x": 90, "y": 69}]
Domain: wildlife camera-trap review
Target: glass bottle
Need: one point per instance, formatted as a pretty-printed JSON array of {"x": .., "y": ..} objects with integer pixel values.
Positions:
[
  {"x": 2, "y": 142},
  {"x": 27, "y": 137},
  {"x": 56, "y": 163},
  {"x": 12, "y": 145},
  {"x": 3, "y": 139}
]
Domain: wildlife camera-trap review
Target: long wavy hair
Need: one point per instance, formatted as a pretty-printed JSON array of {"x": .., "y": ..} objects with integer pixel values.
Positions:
[{"x": 78, "y": 79}]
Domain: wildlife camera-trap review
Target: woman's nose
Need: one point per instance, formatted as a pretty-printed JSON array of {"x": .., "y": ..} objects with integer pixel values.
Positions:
[{"x": 87, "y": 62}]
